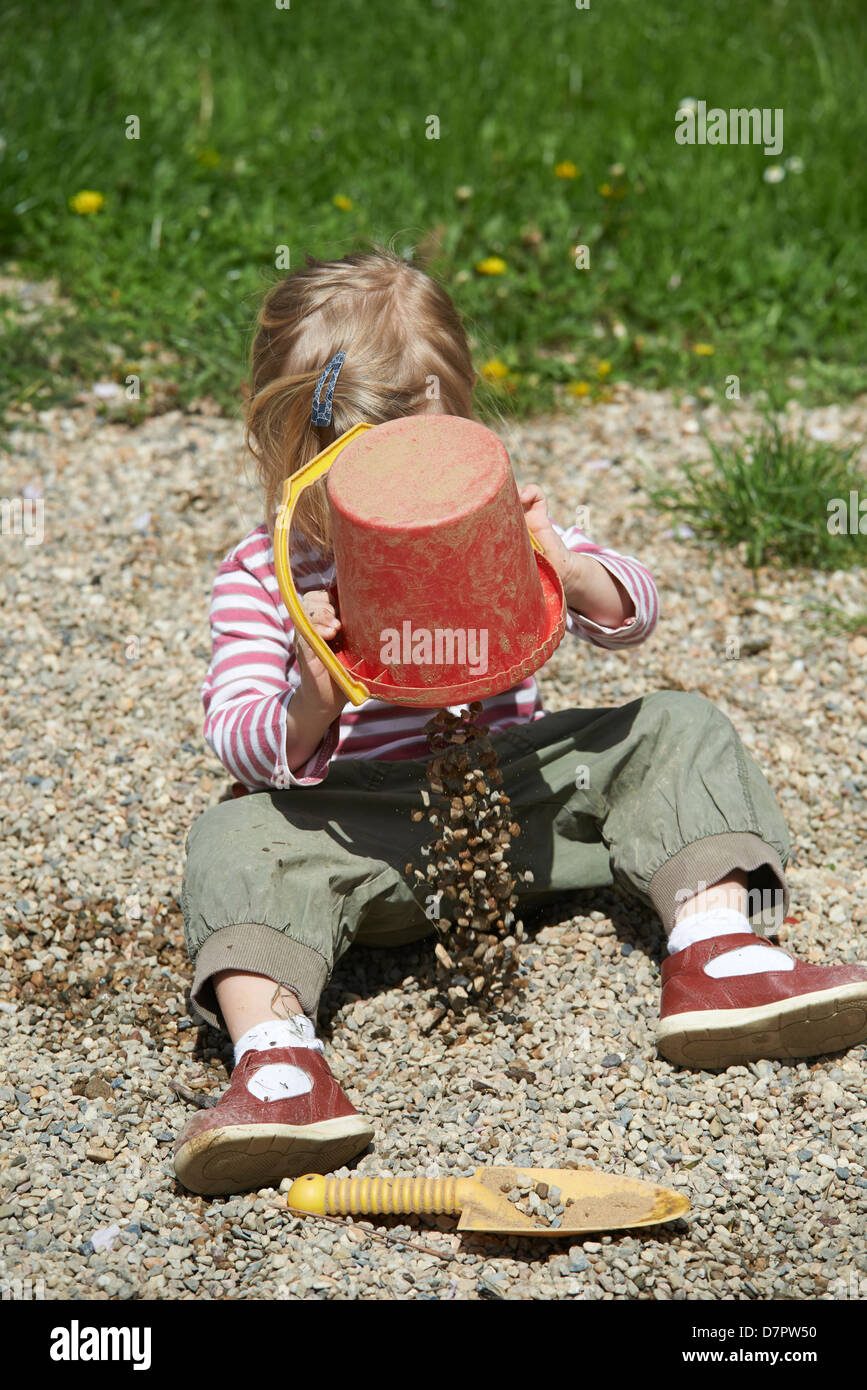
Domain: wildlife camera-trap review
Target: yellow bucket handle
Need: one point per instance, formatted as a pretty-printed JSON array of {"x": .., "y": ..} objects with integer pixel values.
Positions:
[
  {"x": 292, "y": 490},
  {"x": 293, "y": 487}
]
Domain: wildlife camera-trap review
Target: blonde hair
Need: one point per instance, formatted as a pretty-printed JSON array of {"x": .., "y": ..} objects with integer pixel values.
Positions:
[{"x": 406, "y": 352}]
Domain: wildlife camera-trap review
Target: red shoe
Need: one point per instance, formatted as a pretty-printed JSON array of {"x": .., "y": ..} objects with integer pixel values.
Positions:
[
  {"x": 804, "y": 1012},
  {"x": 243, "y": 1142}
]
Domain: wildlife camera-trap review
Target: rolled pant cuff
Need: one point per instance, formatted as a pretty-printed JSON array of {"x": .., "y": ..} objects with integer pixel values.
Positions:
[
  {"x": 257, "y": 950},
  {"x": 714, "y": 857}
]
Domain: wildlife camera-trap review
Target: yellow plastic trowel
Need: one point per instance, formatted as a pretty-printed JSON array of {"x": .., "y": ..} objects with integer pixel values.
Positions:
[{"x": 592, "y": 1201}]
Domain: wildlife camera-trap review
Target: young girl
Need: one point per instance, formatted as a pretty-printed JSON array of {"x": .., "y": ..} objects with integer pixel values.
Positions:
[{"x": 280, "y": 881}]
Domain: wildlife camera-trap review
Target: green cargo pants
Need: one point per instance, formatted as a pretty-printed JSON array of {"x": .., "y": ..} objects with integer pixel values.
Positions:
[{"x": 658, "y": 795}]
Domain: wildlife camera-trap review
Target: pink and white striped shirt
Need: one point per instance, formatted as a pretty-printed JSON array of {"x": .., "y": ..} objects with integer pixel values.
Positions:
[{"x": 254, "y": 671}]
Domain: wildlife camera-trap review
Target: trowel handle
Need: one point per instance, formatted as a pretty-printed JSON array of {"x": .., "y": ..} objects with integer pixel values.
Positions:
[
  {"x": 292, "y": 490},
  {"x": 375, "y": 1196}
]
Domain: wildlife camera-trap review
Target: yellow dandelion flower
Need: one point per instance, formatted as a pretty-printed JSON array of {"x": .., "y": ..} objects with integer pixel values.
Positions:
[
  {"x": 495, "y": 370},
  {"x": 567, "y": 170},
  {"x": 87, "y": 201},
  {"x": 606, "y": 190},
  {"x": 579, "y": 388},
  {"x": 341, "y": 201},
  {"x": 208, "y": 158},
  {"x": 491, "y": 265},
  {"x": 604, "y": 368},
  {"x": 703, "y": 350}
]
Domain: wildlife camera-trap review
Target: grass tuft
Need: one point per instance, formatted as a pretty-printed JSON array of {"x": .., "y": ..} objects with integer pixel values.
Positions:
[{"x": 776, "y": 493}]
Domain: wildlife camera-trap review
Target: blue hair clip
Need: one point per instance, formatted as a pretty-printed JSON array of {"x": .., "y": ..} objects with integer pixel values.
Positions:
[{"x": 321, "y": 414}]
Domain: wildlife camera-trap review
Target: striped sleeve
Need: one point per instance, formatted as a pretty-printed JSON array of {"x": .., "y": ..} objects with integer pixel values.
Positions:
[
  {"x": 251, "y": 680},
  {"x": 637, "y": 582}
]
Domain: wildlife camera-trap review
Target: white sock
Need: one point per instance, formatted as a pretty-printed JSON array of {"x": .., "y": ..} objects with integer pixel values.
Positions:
[
  {"x": 726, "y": 921},
  {"x": 279, "y": 1080}
]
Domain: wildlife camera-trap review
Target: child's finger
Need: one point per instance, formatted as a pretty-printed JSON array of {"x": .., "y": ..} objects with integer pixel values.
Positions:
[
  {"x": 530, "y": 493},
  {"x": 318, "y": 607},
  {"x": 316, "y": 598}
]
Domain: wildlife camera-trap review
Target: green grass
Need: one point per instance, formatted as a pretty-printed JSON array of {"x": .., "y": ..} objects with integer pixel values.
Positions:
[
  {"x": 774, "y": 493},
  {"x": 253, "y": 119},
  {"x": 833, "y": 619}
]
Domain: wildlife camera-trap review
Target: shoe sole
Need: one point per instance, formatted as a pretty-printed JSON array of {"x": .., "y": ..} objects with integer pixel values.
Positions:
[
  {"x": 241, "y": 1157},
  {"x": 810, "y": 1025}
]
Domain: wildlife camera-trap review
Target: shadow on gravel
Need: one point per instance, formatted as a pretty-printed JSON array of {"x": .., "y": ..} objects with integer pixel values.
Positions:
[{"x": 368, "y": 971}]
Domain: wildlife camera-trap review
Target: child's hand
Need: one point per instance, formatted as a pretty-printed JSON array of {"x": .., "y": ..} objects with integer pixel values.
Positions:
[
  {"x": 536, "y": 516},
  {"x": 316, "y": 681}
]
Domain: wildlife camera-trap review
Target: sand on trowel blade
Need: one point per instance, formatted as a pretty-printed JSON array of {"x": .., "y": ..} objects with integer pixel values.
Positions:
[{"x": 544, "y": 1205}]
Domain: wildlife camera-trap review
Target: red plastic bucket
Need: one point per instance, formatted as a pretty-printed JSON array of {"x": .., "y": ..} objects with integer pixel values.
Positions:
[{"x": 443, "y": 597}]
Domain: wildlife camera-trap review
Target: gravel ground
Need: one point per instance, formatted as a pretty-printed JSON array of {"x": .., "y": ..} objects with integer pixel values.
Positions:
[{"x": 104, "y": 769}]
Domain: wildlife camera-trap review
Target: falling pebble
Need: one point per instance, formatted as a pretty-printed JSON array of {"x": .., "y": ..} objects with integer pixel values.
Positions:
[{"x": 468, "y": 867}]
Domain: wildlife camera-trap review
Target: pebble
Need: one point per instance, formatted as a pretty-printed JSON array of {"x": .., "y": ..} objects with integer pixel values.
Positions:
[
  {"x": 97, "y": 1154},
  {"x": 93, "y": 846}
]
